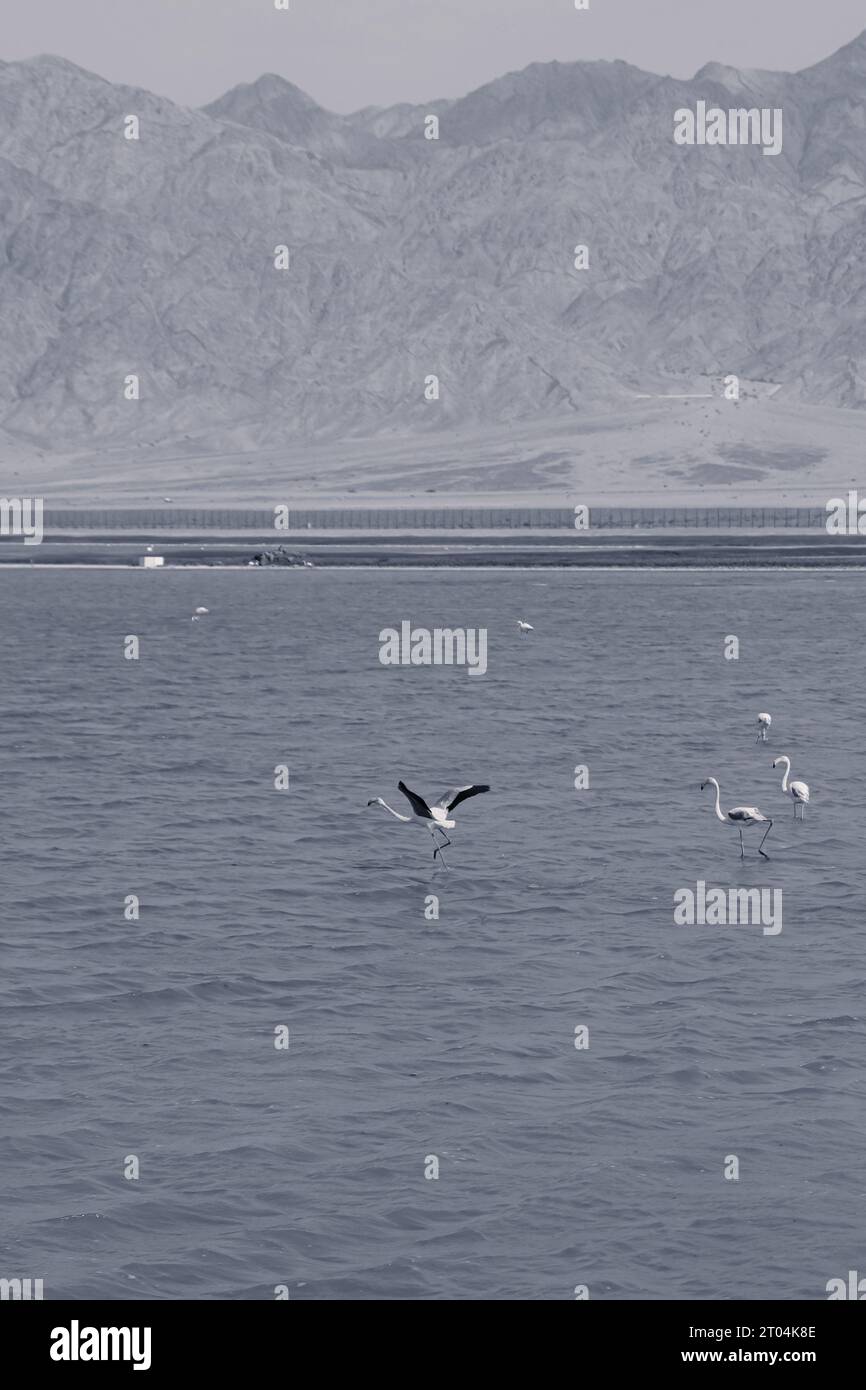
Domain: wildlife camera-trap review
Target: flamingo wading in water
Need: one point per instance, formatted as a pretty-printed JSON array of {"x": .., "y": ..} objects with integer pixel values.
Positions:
[
  {"x": 741, "y": 816},
  {"x": 764, "y": 722},
  {"x": 434, "y": 817},
  {"x": 798, "y": 790}
]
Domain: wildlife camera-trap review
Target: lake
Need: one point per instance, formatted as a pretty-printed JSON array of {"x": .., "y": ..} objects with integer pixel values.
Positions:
[{"x": 302, "y": 916}]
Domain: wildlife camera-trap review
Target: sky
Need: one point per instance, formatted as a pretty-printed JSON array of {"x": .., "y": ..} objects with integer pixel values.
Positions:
[{"x": 353, "y": 53}]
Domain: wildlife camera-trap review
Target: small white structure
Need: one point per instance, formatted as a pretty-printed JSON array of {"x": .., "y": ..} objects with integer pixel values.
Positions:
[{"x": 152, "y": 562}]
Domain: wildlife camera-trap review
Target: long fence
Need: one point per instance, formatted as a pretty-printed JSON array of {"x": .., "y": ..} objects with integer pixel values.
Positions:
[{"x": 261, "y": 520}]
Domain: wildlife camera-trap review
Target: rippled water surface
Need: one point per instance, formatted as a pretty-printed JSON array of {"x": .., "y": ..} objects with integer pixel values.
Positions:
[{"x": 412, "y": 1037}]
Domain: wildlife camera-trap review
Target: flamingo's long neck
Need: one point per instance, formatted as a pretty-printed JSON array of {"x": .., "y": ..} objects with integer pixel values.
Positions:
[
  {"x": 393, "y": 812},
  {"x": 787, "y": 762},
  {"x": 718, "y": 805}
]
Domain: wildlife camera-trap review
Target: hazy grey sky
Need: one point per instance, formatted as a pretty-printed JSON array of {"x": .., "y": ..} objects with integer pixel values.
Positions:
[{"x": 352, "y": 53}]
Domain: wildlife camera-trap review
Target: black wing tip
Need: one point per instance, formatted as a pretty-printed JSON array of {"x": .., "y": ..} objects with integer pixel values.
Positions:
[
  {"x": 418, "y": 803},
  {"x": 467, "y": 792}
]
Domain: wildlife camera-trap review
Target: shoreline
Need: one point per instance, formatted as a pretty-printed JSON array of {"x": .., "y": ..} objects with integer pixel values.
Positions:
[
  {"x": 612, "y": 550},
  {"x": 423, "y": 568}
]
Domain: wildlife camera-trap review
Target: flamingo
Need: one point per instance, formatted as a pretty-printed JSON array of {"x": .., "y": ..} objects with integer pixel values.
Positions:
[
  {"x": 798, "y": 790},
  {"x": 740, "y": 816},
  {"x": 764, "y": 722},
  {"x": 525, "y": 627},
  {"x": 434, "y": 817}
]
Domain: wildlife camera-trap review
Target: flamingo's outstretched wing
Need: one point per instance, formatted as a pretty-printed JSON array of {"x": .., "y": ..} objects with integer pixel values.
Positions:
[
  {"x": 419, "y": 805},
  {"x": 449, "y": 800}
]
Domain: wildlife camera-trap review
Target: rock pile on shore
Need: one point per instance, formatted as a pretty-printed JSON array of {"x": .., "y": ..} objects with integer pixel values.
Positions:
[{"x": 280, "y": 556}]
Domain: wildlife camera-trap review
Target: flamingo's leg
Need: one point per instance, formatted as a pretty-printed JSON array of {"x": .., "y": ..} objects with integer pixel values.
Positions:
[
  {"x": 439, "y": 847},
  {"x": 742, "y": 849},
  {"x": 761, "y": 845}
]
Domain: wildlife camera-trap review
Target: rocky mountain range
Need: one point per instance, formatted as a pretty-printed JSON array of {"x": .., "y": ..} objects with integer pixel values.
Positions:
[{"x": 411, "y": 257}]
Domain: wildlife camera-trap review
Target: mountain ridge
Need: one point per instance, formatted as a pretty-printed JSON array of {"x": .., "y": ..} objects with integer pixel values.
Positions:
[{"x": 413, "y": 258}]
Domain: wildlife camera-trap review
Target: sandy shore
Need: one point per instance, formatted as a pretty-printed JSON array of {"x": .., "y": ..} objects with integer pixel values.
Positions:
[{"x": 764, "y": 549}]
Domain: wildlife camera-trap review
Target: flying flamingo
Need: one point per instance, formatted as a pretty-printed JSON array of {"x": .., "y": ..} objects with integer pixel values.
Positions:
[
  {"x": 740, "y": 816},
  {"x": 434, "y": 817},
  {"x": 764, "y": 722},
  {"x": 798, "y": 790}
]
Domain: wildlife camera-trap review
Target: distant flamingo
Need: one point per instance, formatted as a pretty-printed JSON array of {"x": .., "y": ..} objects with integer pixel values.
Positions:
[
  {"x": 799, "y": 790},
  {"x": 740, "y": 816},
  {"x": 764, "y": 722}
]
